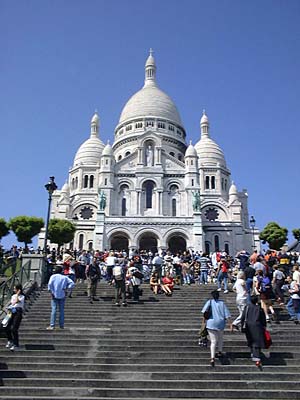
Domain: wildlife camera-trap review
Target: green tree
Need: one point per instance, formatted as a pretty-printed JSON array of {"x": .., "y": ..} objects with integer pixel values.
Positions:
[
  {"x": 296, "y": 233},
  {"x": 4, "y": 228},
  {"x": 61, "y": 231},
  {"x": 25, "y": 228},
  {"x": 274, "y": 234}
]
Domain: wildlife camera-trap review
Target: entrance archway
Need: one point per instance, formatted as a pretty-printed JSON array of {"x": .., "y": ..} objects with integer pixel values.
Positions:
[
  {"x": 148, "y": 242},
  {"x": 119, "y": 242},
  {"x": 177, "y": 243}
]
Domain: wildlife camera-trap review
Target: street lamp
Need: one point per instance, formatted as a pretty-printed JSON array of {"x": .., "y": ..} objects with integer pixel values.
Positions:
[
  {"x": 50, "y": 187},
  {"x": 252, "y": 224}
]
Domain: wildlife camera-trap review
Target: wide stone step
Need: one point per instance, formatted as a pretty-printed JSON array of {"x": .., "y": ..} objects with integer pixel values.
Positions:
[
  {"x": 83, "y": 365},
  {"x": 203, "y": 375},
  {"x": 153, "y": 393}
]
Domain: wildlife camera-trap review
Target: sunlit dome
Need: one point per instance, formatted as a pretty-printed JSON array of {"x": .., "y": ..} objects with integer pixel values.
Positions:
[
  {"x": 209, "y": 151},
  {"x": 150, "y": 100},
  {"x": 90, "y": 151}
]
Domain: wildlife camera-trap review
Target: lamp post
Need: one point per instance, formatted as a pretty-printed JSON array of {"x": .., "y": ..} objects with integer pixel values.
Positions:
[
  {"x": 252, "y": 224},
  {"x": 50, "y": 187}
]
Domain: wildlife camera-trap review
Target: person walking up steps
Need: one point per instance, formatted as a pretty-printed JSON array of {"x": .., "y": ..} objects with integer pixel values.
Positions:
[
  {"x": 16, "y": 308},
  {"x": 58, "y": 286},
  {"x": 215, "y": 324}
]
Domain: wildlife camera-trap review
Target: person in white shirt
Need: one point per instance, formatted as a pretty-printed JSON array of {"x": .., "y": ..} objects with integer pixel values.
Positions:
[
  {"x": 241, "y": 298},
  {"x": 296, "y": 274},
  {"x": 110, "y": 262},
  {"x": 15, "y": 309}
]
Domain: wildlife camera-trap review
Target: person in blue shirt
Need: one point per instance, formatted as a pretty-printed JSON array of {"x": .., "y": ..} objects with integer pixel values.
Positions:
[
  {"x": 215, "y": 324},
  {"x": 58, "y": 286}
]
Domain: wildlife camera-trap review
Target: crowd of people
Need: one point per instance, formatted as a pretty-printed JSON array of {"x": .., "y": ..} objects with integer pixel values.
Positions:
[{"x": 259, "y": 280}]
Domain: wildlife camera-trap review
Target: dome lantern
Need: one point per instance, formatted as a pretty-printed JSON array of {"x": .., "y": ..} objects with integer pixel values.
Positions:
[
  {"x": 95, "y": 125},
  {"x": 204, "y": 125},
  {"x": 150, "y": 70}
]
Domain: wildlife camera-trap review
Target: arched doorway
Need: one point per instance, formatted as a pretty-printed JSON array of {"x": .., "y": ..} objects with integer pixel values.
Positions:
[
  {"x": 119, "y": 242},
  {"x": 177, "y": 243},
  {"x": 148, "y": 242}
]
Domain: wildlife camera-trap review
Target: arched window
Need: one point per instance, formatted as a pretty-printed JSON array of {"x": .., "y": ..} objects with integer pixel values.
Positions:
[
  {"x": 173, "y": 207},
  {"x": 207, "y": 182},
  {"x": 127, "y": 153},
  {"x": 222, "y": 183},
  {"x": 123, "y": 207},
  {"x": 225, "y": 186},
  {"x": 207, "y": 248},
  {"x": 91, "y": 181},
  {"x": 105, "y": 181},
  {"x": 85, "y": 181},
  {"x": 180, "y": 157},
  {"x": 192, "y": 182},
  {"x": 80, "y": 244},
  {"x": 172, "y": 154},
  {"x": 76, "y": 182},
  {"x": 73, "y": 184},
  {"x": 149, "y": 192},
  {"x": 213, "y": 182},
  {"x": 120, "y": 158},
  {"x": 192, "y": 162},
  {"x": 217, "y": 243}
]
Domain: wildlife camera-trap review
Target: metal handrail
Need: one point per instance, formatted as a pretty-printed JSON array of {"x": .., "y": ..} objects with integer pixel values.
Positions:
[{"x": 7, "y": 287}]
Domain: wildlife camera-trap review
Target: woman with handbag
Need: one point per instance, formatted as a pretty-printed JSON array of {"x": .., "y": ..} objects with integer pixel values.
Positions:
[
  {"x": 253, "y": 325},
  {"x": 16, "y": 308},
  {"x": 216, "y": 313}
]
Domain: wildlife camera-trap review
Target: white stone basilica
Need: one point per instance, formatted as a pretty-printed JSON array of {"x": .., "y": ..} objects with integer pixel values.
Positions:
[{"x": 149, "y": 190}]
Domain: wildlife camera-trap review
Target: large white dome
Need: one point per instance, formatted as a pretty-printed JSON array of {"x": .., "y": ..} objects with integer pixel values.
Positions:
[
  {"x": 89, "y": 152},
  {"x": 150, "y": 101}
]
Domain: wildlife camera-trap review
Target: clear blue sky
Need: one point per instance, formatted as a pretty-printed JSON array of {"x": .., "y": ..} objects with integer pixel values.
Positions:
[{"x": 240, "y": 60}]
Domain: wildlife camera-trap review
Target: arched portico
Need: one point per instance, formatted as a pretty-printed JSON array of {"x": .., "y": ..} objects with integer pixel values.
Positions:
[
  {"x": 148, "y": 241},
  {"x": 119, "y": 241},
  {"x": 177, "y": 242}
]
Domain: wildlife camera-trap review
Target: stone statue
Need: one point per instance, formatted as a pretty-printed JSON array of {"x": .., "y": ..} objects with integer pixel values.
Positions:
[
  {"x": 102, "y": 201},
  {"x": 196, "y": 200},
  {"x": 149, "y": 156}
]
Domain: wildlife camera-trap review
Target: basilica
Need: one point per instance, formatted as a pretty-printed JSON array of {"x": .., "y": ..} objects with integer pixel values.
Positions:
[{"x": 149, "y": 189}]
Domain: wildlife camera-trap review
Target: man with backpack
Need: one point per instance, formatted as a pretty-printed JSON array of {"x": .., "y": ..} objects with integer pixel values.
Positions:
[
  {"x": 93, "y": 275},
  {"x": 119, "y": 275}
]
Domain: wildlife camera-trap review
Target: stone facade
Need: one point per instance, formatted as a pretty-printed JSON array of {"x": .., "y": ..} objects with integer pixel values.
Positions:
[{"x": 149, "y": 190}]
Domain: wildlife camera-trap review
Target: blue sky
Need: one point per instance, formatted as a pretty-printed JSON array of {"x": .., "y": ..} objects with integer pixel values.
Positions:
[{"x": 240, "y": 60}]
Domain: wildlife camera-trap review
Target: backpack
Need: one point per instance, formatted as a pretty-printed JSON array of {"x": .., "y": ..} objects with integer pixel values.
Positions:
[
  {"x": 138, "y": 274},
  {"x": 118, "y": 273},
  {"x": 265, "y": 284}
]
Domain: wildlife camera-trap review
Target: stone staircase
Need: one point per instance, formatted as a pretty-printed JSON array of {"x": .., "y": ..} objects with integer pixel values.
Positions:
[{"x": 144, "y": 351}]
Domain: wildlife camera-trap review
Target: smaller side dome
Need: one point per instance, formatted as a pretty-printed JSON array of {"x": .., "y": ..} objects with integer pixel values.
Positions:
[
  {"x": 107, "y": 151},
  {"x": 65, "y": 188},
  {"x": 191, "y": 151},
  {"x": 89, "y": 152}
]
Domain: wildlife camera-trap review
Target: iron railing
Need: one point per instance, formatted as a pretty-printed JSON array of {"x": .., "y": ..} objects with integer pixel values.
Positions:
[{"x": 7, "y": 286}]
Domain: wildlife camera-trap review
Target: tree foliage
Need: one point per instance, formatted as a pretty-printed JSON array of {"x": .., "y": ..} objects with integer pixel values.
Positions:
[
  {"x": 296, "y": 233},
  {"x": 274, "y": 235},
  {"x": 4, "y": 228},
  {"x": 61, "y": 231},
  {"x": 25, "y": 228}
]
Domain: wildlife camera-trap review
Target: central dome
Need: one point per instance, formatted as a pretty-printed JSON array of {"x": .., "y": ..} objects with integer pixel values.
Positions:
[
  {"x": 150, "y": 100},
  {"x": 153, "y": 102}
]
